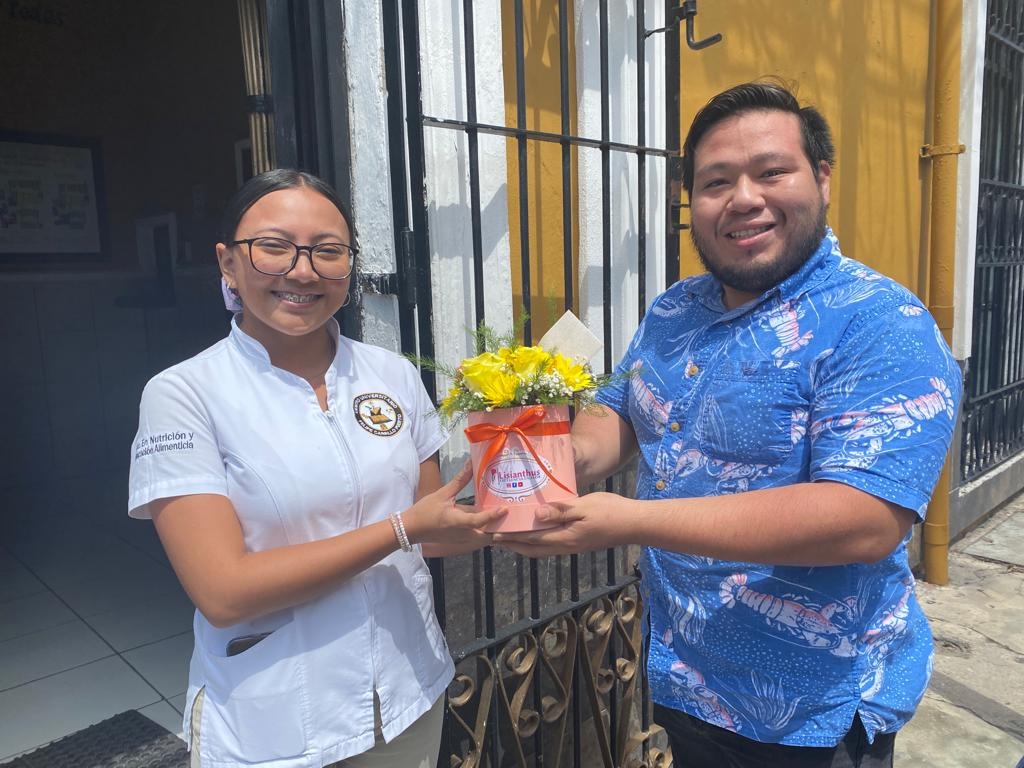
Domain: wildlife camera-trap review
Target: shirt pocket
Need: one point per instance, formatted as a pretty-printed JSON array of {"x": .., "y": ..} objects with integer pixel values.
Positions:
[
  {"x": 255, "y": 702},
  {"x": 435, "y": 647},
  {"x": 747, "y": 413}
]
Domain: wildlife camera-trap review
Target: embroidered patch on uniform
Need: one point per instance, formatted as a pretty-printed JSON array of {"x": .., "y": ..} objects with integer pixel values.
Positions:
[{"x": 378, "y": 414}]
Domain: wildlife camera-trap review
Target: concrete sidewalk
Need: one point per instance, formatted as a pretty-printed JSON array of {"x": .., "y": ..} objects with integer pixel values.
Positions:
[{"x": 972, "y": 715}]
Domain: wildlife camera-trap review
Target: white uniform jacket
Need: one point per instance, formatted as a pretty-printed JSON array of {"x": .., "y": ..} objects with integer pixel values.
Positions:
[{"x": 228, "y": 422}]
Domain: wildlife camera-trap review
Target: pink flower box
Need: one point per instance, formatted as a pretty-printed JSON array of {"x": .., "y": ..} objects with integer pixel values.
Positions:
[{"x": 522, "y": 459}]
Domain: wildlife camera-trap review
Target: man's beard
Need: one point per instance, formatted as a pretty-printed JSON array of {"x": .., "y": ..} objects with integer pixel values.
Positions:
[{"x": 758, "y": 278}]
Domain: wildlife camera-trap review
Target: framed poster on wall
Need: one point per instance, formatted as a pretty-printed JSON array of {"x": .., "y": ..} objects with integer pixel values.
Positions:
[{"x": 51, "y": 200}]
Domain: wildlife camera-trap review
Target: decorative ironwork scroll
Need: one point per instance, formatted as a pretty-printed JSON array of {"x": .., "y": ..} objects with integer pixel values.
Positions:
[
  {"x": 466, "y": 694},
  {"x": 572, "y": 684}
]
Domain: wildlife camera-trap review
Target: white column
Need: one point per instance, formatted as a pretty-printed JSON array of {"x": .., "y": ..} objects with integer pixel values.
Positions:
[
  {"x": 972, "y": 73},
  {"x": 370, "y": 169}
]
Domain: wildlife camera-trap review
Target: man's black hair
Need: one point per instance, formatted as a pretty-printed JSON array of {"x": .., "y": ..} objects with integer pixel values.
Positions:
[{"x": 760, "y": 95}]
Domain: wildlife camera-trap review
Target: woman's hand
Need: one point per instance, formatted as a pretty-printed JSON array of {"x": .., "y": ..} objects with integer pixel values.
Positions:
[{"x": 443, "y": 526}]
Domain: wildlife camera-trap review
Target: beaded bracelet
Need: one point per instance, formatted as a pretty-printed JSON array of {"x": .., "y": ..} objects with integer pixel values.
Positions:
[{"x": 399, "y": 528}]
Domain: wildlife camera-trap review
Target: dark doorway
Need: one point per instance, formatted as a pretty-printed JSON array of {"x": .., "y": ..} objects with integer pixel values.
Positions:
[{"x": 151, "y": 98}]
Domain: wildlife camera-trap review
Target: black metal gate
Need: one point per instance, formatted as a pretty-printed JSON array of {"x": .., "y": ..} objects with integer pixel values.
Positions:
[
  {"x": 549, "y": 652},
  {"x": 993, "y": 412}
]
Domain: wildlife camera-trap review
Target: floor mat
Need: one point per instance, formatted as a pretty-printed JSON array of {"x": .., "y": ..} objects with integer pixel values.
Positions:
[{"x": 127, "y": 740}]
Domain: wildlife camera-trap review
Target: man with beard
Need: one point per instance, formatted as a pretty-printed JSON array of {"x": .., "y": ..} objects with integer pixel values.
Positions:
[{"x": 791, "y": 410}]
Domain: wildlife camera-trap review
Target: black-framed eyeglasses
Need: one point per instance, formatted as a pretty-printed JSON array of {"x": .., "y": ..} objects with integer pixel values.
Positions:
[{"x": 277, "y": 256}]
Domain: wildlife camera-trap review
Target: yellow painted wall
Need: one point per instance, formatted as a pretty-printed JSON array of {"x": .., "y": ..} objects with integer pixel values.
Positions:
[
  {"x": 547, "y": 236},
  {"x": 864, "y": 64}
]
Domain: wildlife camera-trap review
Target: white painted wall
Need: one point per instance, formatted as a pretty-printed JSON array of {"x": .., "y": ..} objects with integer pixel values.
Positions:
[
  {"x": 371, "y": 190},
  {"x": 624, "y": 217},
  {"x": 972, "y": 70},
  {"x": 443, "y": 65}
]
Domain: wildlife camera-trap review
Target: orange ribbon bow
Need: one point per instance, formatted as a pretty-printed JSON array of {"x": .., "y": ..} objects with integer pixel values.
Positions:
[{"x": 530, "y": 422}]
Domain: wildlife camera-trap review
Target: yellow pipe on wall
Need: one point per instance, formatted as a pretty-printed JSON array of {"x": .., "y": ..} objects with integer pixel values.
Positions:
[{"x": 942, "y": 153}]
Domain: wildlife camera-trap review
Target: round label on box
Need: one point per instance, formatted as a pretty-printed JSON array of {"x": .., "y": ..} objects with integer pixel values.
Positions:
[{"x": 514, "y": 474}]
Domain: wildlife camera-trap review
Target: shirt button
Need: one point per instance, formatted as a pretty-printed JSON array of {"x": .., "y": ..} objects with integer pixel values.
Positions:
[
  {"x": 660, "y": 485},
  {"x": 693, "y": 370},
  {"x": 674, "y": 426}
]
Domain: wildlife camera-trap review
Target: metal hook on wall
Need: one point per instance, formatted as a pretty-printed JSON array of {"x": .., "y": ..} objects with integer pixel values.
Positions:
[{"x": 687, "y": 11}]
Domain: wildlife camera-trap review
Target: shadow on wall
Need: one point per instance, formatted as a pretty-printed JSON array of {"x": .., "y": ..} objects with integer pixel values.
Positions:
[{"x": 865, "y": 65}]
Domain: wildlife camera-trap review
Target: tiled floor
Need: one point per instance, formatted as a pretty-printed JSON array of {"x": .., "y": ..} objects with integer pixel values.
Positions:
[{"x": 93, "y": 621}]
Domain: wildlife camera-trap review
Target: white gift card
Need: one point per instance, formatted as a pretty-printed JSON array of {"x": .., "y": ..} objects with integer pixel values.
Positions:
[{"x": 570, "y": 337}]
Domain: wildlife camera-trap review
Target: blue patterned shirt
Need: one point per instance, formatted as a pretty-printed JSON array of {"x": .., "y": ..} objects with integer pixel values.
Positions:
[{"x": 837, "y": 374}]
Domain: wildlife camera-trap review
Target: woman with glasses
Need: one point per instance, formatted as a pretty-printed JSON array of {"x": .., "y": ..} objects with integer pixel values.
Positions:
[{"x": 292, "y": 477}]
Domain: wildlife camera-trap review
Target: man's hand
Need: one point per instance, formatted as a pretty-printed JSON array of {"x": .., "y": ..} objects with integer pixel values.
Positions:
[{"x": 594, "y": 521}]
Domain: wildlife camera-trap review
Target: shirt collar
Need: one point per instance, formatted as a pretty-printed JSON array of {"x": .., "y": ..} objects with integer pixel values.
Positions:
[
  {"x": 256, "y": 352},
  {"x": 821, "y": 263}
]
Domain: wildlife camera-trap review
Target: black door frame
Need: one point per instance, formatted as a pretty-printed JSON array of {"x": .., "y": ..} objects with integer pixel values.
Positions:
[{"x": 309, "y": 95}]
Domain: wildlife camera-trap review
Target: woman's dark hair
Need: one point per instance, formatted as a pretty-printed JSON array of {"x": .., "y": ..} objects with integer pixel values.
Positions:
[
  {"x": 263, "y": 184},
  {"x": 749, "y": 97}
]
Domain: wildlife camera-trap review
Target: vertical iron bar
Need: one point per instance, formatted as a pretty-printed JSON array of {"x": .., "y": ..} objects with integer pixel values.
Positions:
[
  {"x": 672, "y": 137},
  {"x": 606, "y": 235},
  {"x": 328, "y": 97},
  {"x": 417, "y": 187},
  {"x": 491, "y": 631},
  {"x": 473, "y": 137},
  {"x": 568, "y": 231},
  {"x": 282, "y": 82},
  {"x": 478, "y": 599},
  {"x": 1014, "y": 342},
  {"x": 396, "y": 160},
  {"x": 488, "y": 593},
  {"x": 524, "y": 208},
  {"x": 524, "y": 195},
  {"x": 641, "y": 159},
  {"x": 578, "y": 692},
  {"x": 305, "y": 123},
  {"x": 569, "y": 276},
  {"x": 606, "y": 207}
]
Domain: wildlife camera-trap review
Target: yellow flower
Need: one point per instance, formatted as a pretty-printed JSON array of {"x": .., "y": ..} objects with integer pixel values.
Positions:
[
  {"x": 477, "y": 369},
  {"x": 526, "y": 362},
  {"x": 448, "y": 404},
  {"x": 575, "y": 375},
  {"x": 500, "y": 390},
  {"x": 487, "y": 375}
]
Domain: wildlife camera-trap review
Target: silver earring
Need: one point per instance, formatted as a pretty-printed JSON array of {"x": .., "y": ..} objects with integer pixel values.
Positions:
[{"x": 348, "y": 298}]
